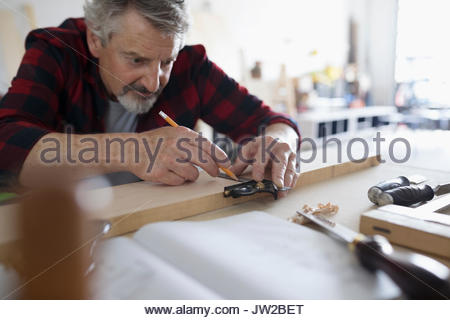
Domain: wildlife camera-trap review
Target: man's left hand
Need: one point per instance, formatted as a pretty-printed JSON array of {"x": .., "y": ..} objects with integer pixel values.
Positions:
[{"x": 274, "y": 150}]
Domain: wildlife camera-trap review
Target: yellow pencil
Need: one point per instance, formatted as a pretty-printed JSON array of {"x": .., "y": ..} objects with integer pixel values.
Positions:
[{"x": 174, "y": 124}]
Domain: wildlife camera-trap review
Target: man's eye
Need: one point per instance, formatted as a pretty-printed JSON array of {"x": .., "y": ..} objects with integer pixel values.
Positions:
[
  {"x": 136, "y": 60},
  {"x": 166, "y": 63}
]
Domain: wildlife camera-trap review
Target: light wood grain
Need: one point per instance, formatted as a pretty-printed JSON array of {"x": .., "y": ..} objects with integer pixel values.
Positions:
[
  {"x": 418, "y": 228},
  {"x": 137, "y": 204},
  {"x": 12, "y": 43},
  {"x": 134, "y": 205}
]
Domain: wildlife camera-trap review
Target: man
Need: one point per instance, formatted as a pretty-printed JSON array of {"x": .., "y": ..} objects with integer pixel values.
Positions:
[{"x": 101, "y": 82}]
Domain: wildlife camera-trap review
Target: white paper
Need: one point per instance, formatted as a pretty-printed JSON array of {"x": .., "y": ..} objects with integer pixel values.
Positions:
[
  {"x": 258, "y": 256},
  {"x": 125, "y": 270}
]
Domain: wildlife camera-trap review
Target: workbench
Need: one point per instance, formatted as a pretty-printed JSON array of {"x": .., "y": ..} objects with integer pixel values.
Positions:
[
  {"x": 349, "y": 191},
  {"x": 429, "y": 158}
]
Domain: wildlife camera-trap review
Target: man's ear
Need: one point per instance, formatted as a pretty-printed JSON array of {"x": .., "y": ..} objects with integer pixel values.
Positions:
[{"x": 94, "y": 43}]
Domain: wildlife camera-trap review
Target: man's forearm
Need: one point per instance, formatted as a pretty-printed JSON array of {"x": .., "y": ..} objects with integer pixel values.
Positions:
[{"x": 78, "y": 156}]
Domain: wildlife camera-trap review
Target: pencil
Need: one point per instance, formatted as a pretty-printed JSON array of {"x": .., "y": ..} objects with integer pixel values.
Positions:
[{"x": 174, "y": 124}]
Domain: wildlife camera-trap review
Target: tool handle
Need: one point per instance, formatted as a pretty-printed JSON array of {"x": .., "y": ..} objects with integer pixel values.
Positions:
[
  {"x": 376, "y": 190},
  {"x": 400, "y": 181},
  {"x": 406, "y": 196},
  {"x": 419, "y": 277}
]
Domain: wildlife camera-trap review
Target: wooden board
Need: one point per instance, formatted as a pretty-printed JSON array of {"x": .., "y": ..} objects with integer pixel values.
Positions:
[
  {"x": 137, "y": 204},
  {"x": 420, "y": 228},
  {"x": 134, "y": 205},
  {"x": 11, "y": 44}
]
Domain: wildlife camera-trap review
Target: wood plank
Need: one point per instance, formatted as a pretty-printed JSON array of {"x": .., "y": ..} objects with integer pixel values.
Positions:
[
  {"x": 11, "y": 44},
  {"x": 30, "y": 13},
  {"x": 134, "y": 205},
  {"x": 137, "y": 204},
  {"x": 421, "y": 228},
  {"x": 425, "y": 236}
]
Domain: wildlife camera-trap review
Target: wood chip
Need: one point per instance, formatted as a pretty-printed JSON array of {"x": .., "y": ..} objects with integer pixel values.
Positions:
[{"x": 326, "y": 210}]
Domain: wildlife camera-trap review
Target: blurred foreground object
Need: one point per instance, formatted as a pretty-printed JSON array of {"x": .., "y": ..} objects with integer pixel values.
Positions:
[{"x": 55, "y": 255}]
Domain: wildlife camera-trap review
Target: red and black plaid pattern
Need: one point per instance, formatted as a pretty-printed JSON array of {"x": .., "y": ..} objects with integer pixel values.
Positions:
[{"x": 58, "y": 83}]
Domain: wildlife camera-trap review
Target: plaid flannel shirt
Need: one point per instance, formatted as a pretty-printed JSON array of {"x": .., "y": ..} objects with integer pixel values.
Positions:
[{"x": 58, "y": 83}]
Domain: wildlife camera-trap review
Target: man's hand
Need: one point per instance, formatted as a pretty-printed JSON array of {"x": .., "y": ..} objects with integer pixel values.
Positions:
[
  {"x": 166, "y": 155},
  {"x": 275, "y": 149},
  {"x": 169, "y": 155}
]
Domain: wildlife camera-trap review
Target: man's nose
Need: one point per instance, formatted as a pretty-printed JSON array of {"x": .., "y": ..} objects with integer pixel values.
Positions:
[{"x": 150, "y": 80}]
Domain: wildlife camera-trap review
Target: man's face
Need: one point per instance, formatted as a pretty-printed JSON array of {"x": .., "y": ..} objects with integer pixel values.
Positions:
[{"x": 136, "y": 63}]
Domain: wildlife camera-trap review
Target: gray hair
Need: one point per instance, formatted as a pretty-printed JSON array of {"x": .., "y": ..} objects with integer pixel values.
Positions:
[{"x": 168, "y": 16}]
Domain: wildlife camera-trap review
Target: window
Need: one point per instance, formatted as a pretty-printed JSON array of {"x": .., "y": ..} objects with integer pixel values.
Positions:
[{"x": 423, "y": 54}]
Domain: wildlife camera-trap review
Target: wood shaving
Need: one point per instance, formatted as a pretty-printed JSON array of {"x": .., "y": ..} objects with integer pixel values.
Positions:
[{"x": 326, "y": 210}]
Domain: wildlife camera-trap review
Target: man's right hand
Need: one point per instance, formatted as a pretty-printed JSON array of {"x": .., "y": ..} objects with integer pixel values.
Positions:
[
  {"x": 166, "y": 155},
  {"x": 170, "y": 155}
]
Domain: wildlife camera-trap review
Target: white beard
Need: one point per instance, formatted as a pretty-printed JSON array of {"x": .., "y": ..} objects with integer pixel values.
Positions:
[{"x": 136, "y": 104}]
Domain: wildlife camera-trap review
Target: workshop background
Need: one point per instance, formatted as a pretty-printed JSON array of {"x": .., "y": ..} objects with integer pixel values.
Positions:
[{"x": 340, "y": 67}]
